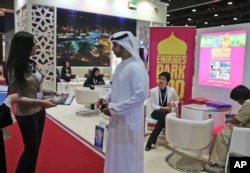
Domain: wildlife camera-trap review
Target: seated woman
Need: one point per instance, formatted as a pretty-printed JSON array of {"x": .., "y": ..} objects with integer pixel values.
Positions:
[
  {"x": 66, "y": 73},
  {"x": 94, "y": 79},
  {"x": 162, "y": 99}
]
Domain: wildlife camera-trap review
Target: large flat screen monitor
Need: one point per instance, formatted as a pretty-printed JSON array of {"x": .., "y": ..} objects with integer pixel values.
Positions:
[{"x": 221, "y": 61}]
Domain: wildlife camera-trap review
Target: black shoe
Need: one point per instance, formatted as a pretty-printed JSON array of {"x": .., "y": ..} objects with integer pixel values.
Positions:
[{"x": 148, "y": 146}]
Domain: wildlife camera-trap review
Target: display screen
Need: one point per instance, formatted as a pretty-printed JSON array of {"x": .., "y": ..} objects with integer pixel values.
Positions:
[{"x": 221, "y": 61}]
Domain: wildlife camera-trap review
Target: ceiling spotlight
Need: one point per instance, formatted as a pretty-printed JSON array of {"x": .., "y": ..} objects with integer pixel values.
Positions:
[
  {"x": 230, "y": 3},
  {"x": 205, "y": 23},
  {"x": 216, "y": 15},
  {"x": 168, "y": 15},
  {"x": 189, "y": 19},
  {"x": 194, "y": 10},
  {"x": 235, "y": 18}
]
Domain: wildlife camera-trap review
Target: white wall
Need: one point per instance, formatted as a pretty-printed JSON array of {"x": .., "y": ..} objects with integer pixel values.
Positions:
[
  {"x": 145, "y": 9},
  {"x": 215, "y": 93}
]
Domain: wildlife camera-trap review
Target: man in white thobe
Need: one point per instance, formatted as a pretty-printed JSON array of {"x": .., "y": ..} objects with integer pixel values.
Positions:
[{"x": 125, "y": 106}]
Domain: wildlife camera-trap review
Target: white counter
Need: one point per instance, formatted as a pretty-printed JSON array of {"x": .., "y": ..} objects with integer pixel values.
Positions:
[{"x": 202, "y": 112}]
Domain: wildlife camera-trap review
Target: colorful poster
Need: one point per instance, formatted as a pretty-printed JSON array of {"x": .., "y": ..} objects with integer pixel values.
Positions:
[
  {"x": 172, "y": 50},
  {"x": 222, "y": 58}
]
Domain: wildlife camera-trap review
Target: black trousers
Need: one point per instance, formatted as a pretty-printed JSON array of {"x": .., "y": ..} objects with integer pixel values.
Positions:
[
  {"x": 159, "y": 115},
  {"x": 3, "y": 168},
  {"x": 31, "y": 128}
]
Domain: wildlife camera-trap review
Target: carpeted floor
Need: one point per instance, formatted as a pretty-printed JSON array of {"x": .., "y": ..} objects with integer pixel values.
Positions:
[{"x": 59, "y": 152}]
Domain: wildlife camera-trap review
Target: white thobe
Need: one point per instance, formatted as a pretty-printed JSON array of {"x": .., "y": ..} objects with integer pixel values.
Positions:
[{"x": 125, "y": 150}]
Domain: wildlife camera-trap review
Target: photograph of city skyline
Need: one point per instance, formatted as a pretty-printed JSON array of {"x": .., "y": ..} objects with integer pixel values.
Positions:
[{"x": 83, "y": 38}]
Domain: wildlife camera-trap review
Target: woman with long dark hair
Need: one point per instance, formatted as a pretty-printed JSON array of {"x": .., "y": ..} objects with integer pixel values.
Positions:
[
  {"x": 95, "y": 78},
  {"x": 25, "y": 79},
  {"x": 66, "y": 72}
]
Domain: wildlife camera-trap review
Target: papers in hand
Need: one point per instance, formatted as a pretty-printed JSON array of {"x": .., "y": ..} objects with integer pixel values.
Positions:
[{"x": 62, "y": 99}]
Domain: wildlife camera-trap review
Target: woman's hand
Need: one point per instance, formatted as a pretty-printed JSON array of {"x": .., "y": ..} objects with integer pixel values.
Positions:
[
  {"x": 48, "y": 103},
  {"x": 168, "y": 108},
  {"x": 54, "y": 93},
  {"x": 13, "y": 97}
]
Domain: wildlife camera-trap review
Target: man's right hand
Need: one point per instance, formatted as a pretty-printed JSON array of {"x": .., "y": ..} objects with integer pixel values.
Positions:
[{"x": 99, "y": 102}]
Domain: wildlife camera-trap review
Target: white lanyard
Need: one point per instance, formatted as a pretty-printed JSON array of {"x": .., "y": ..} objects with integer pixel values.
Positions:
[
  {"x": 95, "y": 81},
  {"x": 165, "y": 98}
]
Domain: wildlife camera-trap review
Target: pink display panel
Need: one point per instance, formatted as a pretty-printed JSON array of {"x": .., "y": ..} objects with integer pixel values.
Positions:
[{"x": 222, "y": 58}]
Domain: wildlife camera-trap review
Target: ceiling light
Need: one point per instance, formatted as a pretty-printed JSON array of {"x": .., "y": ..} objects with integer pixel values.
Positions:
[
  {"x": 168, "y": 15},
  {"x": 168, "y": 22},
  {"x": 235, "y": 18},
  {"x": 194, "y": 10},
  {"x": 189, "y": 19},
  {"x": 216, "y": 15},
  {"x": 230, "y": 3},
  {"x": 186, "y": 24},
  {"x": 205, "y": 23}
]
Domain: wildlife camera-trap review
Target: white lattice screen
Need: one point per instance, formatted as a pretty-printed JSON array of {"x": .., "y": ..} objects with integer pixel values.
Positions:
[
  {"x": 39, "y": 20},
  {"x": 42, "y": 26},
  {"x": 24, "y": 19},
  {"x": 19, "y": 20}
]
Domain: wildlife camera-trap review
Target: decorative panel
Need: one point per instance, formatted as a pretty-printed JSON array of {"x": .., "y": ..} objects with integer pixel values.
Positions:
[
  {"x": 42, "y": 27},
  {"x": 24, "y": 18},
  {"x": 19, "y": 20}
]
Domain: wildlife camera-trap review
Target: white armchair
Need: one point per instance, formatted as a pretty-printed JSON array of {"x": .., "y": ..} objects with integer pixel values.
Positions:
[
  {"x": 189, "y": 135},
  {"x": 86, "y": 96},
  {"x": 148, "y": 111},
  {"x": 239, "y": 143}
]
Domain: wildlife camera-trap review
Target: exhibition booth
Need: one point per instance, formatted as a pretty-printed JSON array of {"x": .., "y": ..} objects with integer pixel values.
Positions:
[{"x": 205, "y": 64}]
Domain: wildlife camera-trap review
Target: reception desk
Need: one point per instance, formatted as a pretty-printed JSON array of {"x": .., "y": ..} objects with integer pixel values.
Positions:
[
  {"x": 202, "y": 112},
  {"x": 68, "y": 87}
]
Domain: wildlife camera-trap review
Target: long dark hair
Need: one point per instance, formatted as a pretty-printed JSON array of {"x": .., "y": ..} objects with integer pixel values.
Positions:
[
  {"x": 19, "y": 56},
  {"x": 93, "y": 71}
]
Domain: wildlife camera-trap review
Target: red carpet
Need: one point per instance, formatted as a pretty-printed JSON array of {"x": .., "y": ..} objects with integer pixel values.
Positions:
[{"x": 59, "y": 152}]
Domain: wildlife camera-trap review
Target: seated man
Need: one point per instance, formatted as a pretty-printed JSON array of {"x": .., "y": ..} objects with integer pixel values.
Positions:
[
  {"x": 162, "y": 99},
  {"x": 240, "y": 94}
]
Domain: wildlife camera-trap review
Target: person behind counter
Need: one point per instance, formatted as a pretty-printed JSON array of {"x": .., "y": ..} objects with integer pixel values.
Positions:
[{"x": 95, "y": 78}]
